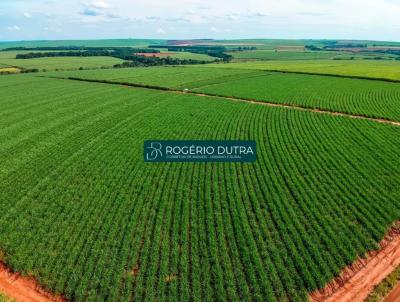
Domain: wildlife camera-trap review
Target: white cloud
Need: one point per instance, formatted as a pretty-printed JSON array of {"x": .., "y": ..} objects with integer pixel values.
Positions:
[
  {"x": 14, "y": 28},
  {"x": 99, "y": 4},
  {"x": 52, "y": 29},
  {"x": 160, "y": 30},
  {"x": 195, "y": 19},
  {"x": 96, "y": 8},
  {"x": 362, "y": 19},
  {"x": 91, "y": 12}
]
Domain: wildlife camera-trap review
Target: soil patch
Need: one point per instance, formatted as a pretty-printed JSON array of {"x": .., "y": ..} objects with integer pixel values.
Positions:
[
  {"x": 394, "y": 295},
  {"x": 22, "y": 288},
  {"x": 357, "y": 280}
]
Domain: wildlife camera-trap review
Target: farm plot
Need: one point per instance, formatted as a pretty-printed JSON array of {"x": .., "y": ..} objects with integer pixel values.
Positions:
[
  {"x": 7, "y": 58},
  {"x": 82, "y": 213},
  {"x": 182, "y": 55},
  {"x": 362, "y": 68},
  {"x": 375, "y": 99},
  {"x": 283, "y": 55},
  {"x": 169, "y": 77},
  {"x": 354, "y": 96}
]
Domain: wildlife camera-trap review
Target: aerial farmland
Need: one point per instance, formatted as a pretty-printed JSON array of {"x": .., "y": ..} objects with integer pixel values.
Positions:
[{"x": 85, "y": 217}]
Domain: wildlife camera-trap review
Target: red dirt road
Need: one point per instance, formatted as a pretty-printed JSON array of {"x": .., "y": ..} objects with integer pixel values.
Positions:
[
  {"x": 357, "y": 281},
  {"x": 394, "y": 295},
  {"x": 23, "y": 289}
]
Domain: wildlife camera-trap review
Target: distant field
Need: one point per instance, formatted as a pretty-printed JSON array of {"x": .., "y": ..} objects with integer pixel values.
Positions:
[
  {"x": 288, "y": 54},
  {"x": 189, "y": 55},
  {"x": 11, "y": 54},
  {"x": 282, "y": 55},
  {"x": 7, "y": 58},
  {"x": 364, "y": 68},
  {"x": 354, "y": 96},
  {"x": 268, "y": 43},
  {"x": 84, "y": 215}
]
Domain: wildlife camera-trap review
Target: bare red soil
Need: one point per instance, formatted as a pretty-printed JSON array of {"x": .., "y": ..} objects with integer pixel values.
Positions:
[
  {"x": 23, "y": 289},
  {"x": 357, "y": 281},
  {"x": 394, "y": 295}
]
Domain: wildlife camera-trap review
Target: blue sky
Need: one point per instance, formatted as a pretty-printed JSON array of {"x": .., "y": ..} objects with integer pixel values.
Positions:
[{"x": 170, "y": 19}]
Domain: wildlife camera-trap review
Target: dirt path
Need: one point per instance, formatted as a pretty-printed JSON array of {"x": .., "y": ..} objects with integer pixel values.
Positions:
[
  {"x": 237, "y": 99},
  {"x": 357, "y": 281},
  {"x": 23, "y": 289},
  {"x": 394, "y": 295}
]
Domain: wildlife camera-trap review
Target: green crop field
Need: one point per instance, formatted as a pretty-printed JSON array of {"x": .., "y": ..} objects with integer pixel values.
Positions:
[
  {"x": 184, "y": 55},
  {"x": 354, "y": 96},
  {"x": 361, "y": 68},
  {"x": 170, "y": 77},
  {"x": 7, "y": 58},
  {"x": 283, "y": 55},
  {"x": 84, "y": 215},
  {"x": 265, "y": 43},
  {"x": 299, "y": 55}
]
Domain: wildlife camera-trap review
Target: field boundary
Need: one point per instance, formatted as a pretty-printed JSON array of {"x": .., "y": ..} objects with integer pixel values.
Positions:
[
  {"x": 237, "y": 99},
  {"x": 24, "y": 288},
  {"x": 358, "y": 280}
]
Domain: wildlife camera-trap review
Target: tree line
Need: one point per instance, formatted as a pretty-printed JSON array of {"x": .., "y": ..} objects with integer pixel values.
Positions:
[
  {"x": 127, "y": 54},
  {"x": 118, "y": 52},
  {"x": 142, "y": 61}
]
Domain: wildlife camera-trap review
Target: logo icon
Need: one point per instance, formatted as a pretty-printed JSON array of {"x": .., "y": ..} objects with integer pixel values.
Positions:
[{"x": 155, "y": 151}]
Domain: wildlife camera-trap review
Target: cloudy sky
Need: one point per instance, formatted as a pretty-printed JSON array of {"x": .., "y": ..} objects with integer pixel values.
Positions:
[{"x": 85, "y": 19}]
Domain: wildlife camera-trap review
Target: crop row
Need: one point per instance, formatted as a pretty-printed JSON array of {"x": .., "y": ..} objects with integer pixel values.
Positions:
[
  {"x": 371, "y": 98},
  {"x": 354, "y": 96},
  {"x": 89, "y": 219}
]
